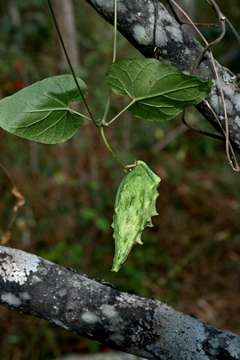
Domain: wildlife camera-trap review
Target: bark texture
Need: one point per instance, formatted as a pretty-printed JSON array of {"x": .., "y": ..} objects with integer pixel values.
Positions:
[
  {"x": 136, "y": 325},
  {"x": 138, "y": 20}
]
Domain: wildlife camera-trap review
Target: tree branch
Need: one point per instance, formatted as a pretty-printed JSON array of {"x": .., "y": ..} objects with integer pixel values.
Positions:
[
  {"x": 137, "y": 21},
  {"x": 95, "y": 310}
]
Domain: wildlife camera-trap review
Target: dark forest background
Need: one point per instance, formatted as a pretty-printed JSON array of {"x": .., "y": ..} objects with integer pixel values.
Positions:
[{"x": 191, "y": 258}]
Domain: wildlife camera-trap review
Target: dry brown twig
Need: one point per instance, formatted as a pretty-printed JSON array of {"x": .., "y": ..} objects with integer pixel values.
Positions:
[
  {"x": 230, "y": 153},
  {"x": 19, "y": 202}
]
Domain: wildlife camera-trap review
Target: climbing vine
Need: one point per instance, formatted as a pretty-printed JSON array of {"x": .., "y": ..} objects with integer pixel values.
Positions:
[{"x": 42, "y": 112}]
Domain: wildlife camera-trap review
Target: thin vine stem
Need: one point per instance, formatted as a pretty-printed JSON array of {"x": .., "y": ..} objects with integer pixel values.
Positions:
[
  {"x": 103, "y": 120},
  {"x": 107, "y": 106},
  {"x": 70, "y": 64},
  {"x": 106, "y": 111},
  {"x": 110, "y": 148},
  {"x": 214, "y": 42},
  {"x": 225, "y": 129}
]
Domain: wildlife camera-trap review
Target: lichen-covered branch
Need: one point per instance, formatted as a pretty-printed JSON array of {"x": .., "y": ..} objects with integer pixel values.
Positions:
[
  {"x": 138, "y": 20},
  {"x": 95, "y": 310}
]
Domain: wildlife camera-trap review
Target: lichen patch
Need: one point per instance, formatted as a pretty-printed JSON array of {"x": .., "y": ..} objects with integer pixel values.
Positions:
[
  {"x": 89, "y": 317},
  {"x": 140, "y": 35},
  {"x": 237, "y": 102},
  {"x": 16, "y": 266},
  {"x": 175, "y": 33},
  {"x": 109, "y": 311},
  {"x": 10, "y": 299}
]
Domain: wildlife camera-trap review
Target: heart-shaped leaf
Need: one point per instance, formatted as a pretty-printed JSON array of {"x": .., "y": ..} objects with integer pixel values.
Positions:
[
  {"x": 134, "y": 207},
  {"x": 157, "y": 91},
  {"x": 40, "y": 112}
]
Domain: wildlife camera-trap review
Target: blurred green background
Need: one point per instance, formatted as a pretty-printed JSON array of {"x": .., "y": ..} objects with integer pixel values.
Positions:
[{"x": 191, "y": 258}]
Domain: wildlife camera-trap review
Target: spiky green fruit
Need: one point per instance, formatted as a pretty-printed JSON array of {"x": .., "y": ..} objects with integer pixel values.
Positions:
[{"x": 134, "y": 207}]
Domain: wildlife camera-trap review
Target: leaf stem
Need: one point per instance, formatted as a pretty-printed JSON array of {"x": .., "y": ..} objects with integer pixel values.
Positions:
[
  {"x": 78, "y": 113},
  {"x": 120, "y": 113},
  {"x": 106, "y": 111},
  {"x": 107, "y": 106},
  {"x": 109, "y": 147},
  {"x": 70, "y": 64}
]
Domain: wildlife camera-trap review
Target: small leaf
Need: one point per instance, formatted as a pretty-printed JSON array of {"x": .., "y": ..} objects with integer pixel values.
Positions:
[
  {"x": 40, "y": 112},
  {"x": 157, "y": 91},
  {"x": 134, "y": 207}
]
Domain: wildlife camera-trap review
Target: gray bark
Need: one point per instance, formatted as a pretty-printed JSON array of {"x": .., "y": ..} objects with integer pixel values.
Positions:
[
  {"x": 137, "y": 20},
  {"x": 136, "y": 325}
]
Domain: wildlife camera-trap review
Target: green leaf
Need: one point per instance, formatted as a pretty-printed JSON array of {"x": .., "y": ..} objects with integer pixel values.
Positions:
[
  {"x": 134, "y": 207},
  {"x": 157, "y": 91},
  {"x": 40, "y": 112}
]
